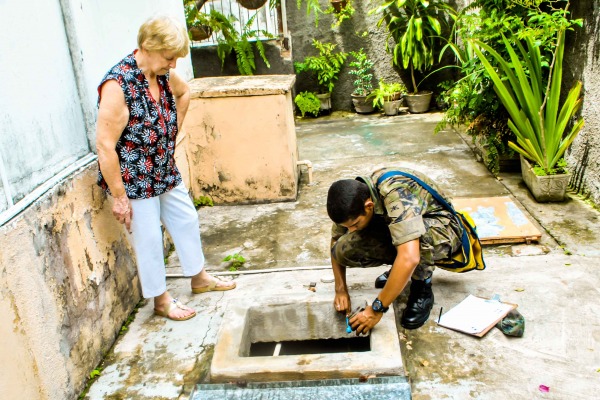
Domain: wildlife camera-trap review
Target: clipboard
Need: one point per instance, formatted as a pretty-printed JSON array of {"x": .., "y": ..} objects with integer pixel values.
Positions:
[{"x": 475, "y": 315}]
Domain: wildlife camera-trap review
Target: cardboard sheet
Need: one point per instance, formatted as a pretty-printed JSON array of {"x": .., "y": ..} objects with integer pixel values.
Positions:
[{"x": 498, "y": 220}]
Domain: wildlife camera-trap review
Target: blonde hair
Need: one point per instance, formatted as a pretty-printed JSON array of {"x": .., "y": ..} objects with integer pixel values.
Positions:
[{"x": 164, "y": 33}]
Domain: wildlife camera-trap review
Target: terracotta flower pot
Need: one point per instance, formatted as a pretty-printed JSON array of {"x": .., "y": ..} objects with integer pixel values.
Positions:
[
  {"x": 252, "y": 4},
  {"x": 200, "y": 32},
  {"x": 338, "y": 4}
]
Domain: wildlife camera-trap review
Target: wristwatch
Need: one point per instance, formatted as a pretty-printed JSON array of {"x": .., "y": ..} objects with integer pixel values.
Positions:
[{"x": 377, "y": 306}]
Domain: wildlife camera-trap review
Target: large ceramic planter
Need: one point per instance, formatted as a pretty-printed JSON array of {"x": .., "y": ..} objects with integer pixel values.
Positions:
[
  {"x": 325, "y": 99},
  {"x": 362, "y": 105},
  {"x": 544, "y": 188},
  {"x": 419, "y": 102}
]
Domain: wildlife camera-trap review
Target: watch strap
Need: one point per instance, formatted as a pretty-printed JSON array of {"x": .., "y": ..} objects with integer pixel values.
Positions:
[{"x": 378, "y": 306}]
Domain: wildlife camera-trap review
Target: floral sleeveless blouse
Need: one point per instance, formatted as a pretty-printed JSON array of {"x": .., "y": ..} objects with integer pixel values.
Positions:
[{"x": 146, "y": 148}]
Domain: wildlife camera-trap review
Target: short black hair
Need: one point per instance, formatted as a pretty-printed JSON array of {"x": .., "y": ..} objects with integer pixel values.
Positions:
[{"x": 346, "y": 200}]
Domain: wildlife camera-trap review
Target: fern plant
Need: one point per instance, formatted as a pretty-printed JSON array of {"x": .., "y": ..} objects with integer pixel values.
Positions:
[{"x": 231, "y": 40}]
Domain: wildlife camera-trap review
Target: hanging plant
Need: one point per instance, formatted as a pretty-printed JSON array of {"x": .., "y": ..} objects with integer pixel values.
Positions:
[
  {"x": 338, "y": 5},
  {"x": 200, "y": 32},
  {"x": 252, "y": 4}
]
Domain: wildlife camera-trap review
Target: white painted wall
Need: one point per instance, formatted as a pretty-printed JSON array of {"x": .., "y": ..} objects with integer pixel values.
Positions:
[
  {"x": 41, "y": 123},
  {"x": 53, "y": 54},
  {"x": 106, "y": 31}
]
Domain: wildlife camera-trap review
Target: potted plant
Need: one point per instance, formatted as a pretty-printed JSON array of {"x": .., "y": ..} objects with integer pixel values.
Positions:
[
  {"x": 388, "y": 96},
  {"x": 327, "y": 65},
  {"x": 200, "y": 25},
  {"x": 416, "y": 27},
  {"x": 471, "y": 100},
  {"x": 341, "y": 11},
  {"x": 537, "y": 118},
  {"x": 362, "y": 70},
  {"x": 252, "y": 4},
  {"x": 308, "y": 102},
  {"x": 338, "y": 5}
]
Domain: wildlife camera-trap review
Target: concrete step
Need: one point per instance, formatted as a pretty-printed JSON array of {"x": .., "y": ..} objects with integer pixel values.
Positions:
[{"x": 381, "y": 388}]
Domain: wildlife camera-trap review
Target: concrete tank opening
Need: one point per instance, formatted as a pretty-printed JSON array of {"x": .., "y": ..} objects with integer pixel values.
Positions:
[
  {"x": 315, "y": 346},
  {"x": 297, "y": 333}
]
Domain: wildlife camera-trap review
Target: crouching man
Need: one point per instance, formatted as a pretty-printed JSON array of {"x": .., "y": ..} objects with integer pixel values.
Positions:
[{"x": 386, "y": 218}]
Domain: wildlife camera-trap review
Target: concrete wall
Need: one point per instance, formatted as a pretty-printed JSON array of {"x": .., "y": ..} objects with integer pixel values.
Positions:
[
  {"x": 582, "y": 62},
  {"x": 67, "y": 274},
  {"x": 67, "y": 282}
]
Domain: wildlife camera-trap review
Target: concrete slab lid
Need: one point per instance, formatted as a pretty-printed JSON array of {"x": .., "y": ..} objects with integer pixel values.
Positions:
[
  {"x": 236, "y": 86},
  {"x": 229, "y": 365}
]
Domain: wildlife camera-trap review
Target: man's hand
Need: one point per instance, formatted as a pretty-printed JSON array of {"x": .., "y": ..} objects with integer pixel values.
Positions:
[
  {"x": 122, "y": 211},
  {"x": 365, "y": 320},
  {"x": 341, "y": 302}
]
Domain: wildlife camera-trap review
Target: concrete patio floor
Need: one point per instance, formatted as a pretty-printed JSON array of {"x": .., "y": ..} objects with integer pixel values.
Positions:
[{"x": 555, "y": 282}]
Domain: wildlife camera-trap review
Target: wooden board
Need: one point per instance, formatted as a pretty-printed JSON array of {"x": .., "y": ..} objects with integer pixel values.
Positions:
[{"x": 498, "y": 220}]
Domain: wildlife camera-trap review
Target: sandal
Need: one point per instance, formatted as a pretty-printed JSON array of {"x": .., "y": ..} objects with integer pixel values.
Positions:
[
  {"x": 173, "y": 305},
  {"x": 213, "y": 286}
]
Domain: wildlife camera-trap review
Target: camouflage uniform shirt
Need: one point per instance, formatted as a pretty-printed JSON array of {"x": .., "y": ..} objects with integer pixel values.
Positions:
[{"x": 403, "y": 204}]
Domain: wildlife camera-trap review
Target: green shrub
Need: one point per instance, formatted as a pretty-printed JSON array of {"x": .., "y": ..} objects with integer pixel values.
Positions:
[
  {"x": 362, "y": 69},
  {"x": 327, "y": 65},
  {"x": 308, "y": 102}
]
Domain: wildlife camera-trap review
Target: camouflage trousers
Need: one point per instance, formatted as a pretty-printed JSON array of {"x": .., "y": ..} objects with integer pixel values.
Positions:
[{"x": 372, "y": 246}]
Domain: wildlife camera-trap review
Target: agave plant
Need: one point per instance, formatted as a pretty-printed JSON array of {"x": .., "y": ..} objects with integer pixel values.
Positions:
[{"x": 537, "y": 119}]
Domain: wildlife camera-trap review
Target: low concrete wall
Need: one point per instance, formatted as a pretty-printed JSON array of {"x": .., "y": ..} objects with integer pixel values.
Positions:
[{"x": 67, "y": 284}]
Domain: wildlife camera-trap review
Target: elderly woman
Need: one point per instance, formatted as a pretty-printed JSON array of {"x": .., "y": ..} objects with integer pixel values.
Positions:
[{"x": 142, "y": 104}]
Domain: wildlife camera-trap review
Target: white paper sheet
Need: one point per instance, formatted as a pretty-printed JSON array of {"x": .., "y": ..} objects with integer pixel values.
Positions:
[{"x": 474, "y": 314}]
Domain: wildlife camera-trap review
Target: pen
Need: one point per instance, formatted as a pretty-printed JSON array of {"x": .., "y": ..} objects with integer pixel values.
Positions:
[{"x": 440, "y": 317}]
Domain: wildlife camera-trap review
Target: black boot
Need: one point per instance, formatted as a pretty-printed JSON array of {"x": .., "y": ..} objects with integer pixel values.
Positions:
[
  {"x": 418, "y": 305},
  {"x": 382, "y": 279}
]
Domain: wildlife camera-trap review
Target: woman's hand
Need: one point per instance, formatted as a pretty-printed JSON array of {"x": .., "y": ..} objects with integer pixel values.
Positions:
[
  {"x": 365, "y": 320},
  {"x": 122, "y": 211}
]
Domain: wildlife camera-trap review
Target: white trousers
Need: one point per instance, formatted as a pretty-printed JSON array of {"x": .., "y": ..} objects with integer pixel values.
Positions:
[{"x": 177, "y": 213}]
